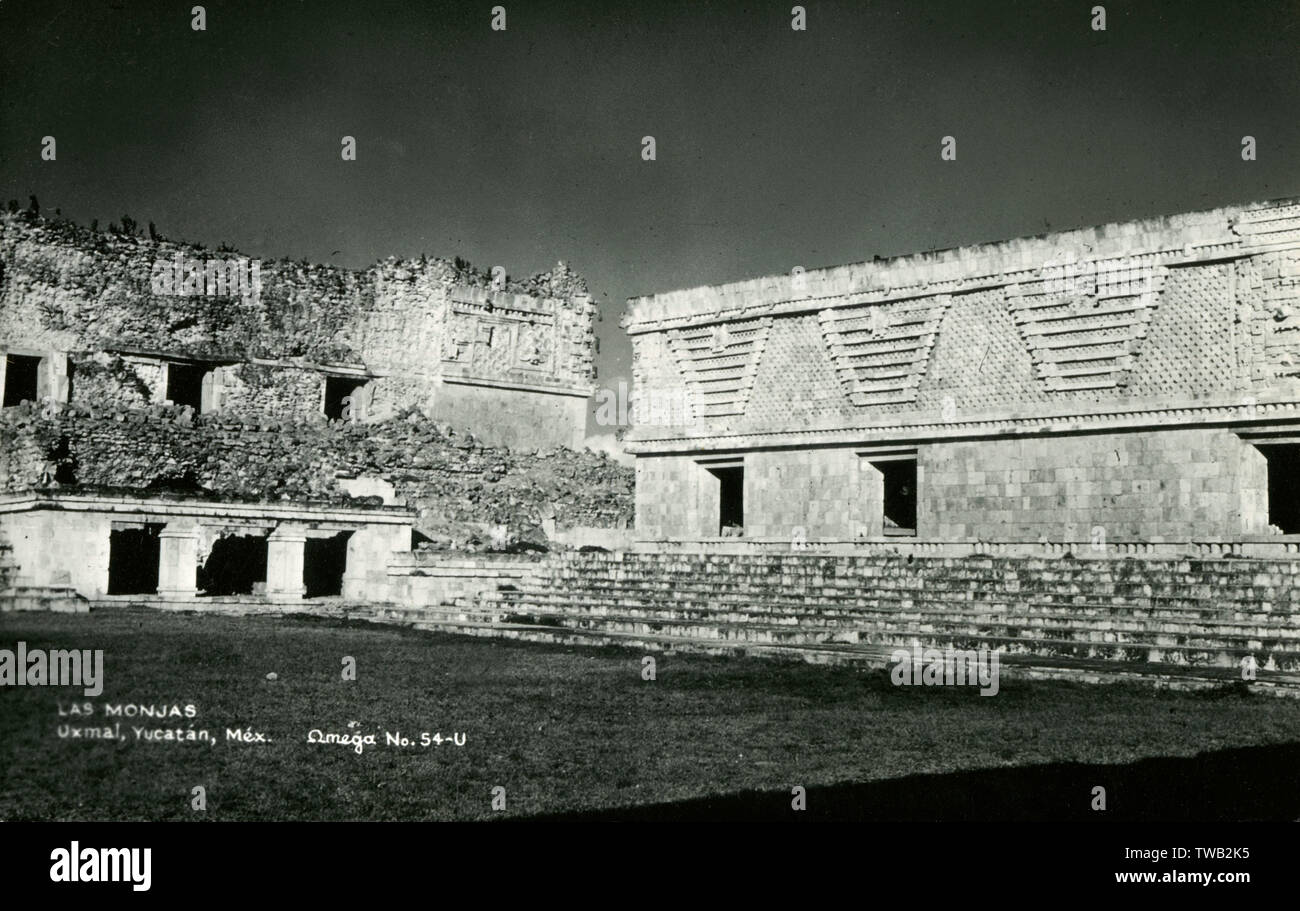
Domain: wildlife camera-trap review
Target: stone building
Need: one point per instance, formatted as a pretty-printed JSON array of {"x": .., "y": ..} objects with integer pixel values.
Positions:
[
  {"x": 85, "y": 315},
  {"x": 179, "y": 423},
  {"x": 1131, "y": 382}
]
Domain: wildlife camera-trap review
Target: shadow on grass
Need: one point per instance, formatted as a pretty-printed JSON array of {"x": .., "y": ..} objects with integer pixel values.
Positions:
[{"x": 1251, "y": 783}]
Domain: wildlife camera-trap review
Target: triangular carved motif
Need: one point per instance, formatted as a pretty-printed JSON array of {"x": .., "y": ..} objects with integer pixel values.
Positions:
[
  {"x": 1085, "y": 331},
  {"x": 719, "y": 364},
  {"x": 881, "y": 351}
]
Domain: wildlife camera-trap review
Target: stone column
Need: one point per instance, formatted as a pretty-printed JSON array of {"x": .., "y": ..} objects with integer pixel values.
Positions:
[
  {"x": 284, "y": 563},
  {"x": 370, "y": 550},
  {"x": 360, "y": 547},
  {"x": 178, "y": 547}
]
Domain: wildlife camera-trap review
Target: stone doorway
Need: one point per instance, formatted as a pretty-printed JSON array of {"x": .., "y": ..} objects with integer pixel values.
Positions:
[
  {"x": 133, "y": 559},
  {"x": 21, "y": 379},
  {"x": 1283, "y": 486},
  {"x": 730, "y": 497},
  {"x": 236, "y": 566},
  {"x": 325, "y": 560}
]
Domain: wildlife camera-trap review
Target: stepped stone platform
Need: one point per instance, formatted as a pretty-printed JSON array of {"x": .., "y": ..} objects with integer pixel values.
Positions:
[
  {"x": 54, "y": 598},
  {"x": 1185, "y": 623},
  {"x": 1176, "y": 622}
]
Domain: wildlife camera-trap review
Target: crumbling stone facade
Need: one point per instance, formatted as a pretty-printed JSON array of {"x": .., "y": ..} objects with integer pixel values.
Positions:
[
  {"x": 299, "y": 432},
  {"x": 454, "y": 483},
  {"x": 112, "y": 316},
  {"x": 1136, "y": 381}
]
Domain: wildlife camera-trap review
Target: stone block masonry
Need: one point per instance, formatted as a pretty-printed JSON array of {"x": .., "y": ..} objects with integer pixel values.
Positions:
[
  {"x": 1182, "y": 623},
  {"x": 455, "y": 483},
  {"x": 509, "y": 360},
  {"x": 1140, "y": 379},
  {"x": 1179, "y": 484}
]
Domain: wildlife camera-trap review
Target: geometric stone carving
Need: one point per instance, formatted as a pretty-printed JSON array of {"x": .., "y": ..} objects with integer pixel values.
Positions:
[
  {"x": 1085, "y": 330},
  {"x": 1268, "y": 290},
  {"x": 495, "y": 342},
  {"x": 881, "y": 351},
  {"x": 719, "y": 364},
  {"x": 1269, "y": 225}
]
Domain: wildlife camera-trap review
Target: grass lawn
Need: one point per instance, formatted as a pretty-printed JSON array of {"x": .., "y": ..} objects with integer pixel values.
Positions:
[{"x": 561, "y": 729}]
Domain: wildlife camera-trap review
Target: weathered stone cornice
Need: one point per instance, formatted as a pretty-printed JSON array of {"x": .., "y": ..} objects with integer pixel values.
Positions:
[
  {"x": 1174, "y": 241},
  {"x": 1247, "y": 415}
]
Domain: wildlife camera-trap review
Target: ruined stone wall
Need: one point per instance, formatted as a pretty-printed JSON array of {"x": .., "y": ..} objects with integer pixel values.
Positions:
[
  {"x": 22, "y": 451},
  {"x": 9, "y": 566},
  {"x": 456, "y": 483},
  {"x": 404, "y": 323},
  {"x": 253, "y": 389}
]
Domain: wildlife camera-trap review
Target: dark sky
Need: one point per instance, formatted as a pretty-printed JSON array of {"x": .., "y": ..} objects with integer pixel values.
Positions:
[{"x": 776, "y": 148}]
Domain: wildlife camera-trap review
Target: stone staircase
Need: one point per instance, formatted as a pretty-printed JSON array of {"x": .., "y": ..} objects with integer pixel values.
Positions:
[
  {"x": 1187, "y": 622},
  {"x": 17, "y": 594}
]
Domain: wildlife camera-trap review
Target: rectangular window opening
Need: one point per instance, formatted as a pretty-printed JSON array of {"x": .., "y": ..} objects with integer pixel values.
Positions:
[
  {"x": 343, "y": 398},
  {"x": 1283, "y": 486},
  {"x": 22, "y": 378},
  {"x": 185, "y": 384},
  {"x": 898, "y": 500}
]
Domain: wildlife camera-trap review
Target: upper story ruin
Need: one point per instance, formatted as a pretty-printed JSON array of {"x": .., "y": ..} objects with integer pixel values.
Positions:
[
  {"x": 86, "y": 315},
  {"x": 179, "y": 423}
]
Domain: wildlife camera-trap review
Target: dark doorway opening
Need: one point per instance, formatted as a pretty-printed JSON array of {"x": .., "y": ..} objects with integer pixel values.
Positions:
[
  {"x": 65, "y": 462},
  {"x": 185, "y": 384},
  {"x": 177, "y": 482},
  {"x": 899, "y": 495},
  {"x": 1283, "y": 486},
  {"x": 133, "y": 560},
  {"x": 342, "y": 403},
  {"x": 324, "y": 561},
  {"x": 235, "y": 566},
  {"x": 22, "y": 375},
  {"x": 731, "y": 498}
]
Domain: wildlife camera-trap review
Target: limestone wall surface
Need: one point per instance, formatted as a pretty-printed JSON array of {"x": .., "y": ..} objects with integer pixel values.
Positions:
[
  {"x": 1201, "y": 309},
  {"x": 104, "y": 302},
  {"x": 457, "y": 484},
  {"x": 514, "y": 417},
  {"x": 1172, "y": 485}
]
